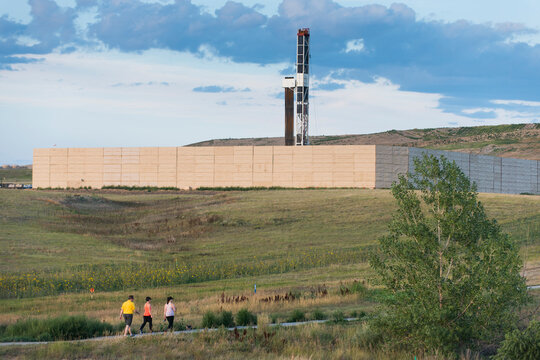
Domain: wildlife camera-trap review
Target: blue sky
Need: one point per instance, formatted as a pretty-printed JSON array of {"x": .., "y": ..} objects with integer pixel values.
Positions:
[{"x": 85, "y": 73}]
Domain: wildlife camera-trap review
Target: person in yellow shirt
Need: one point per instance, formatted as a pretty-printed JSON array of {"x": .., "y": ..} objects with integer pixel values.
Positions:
[{"x": 127, "y": 310}]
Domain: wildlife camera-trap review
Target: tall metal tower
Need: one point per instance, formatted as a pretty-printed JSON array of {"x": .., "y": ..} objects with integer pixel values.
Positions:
[{"x": 300, "y": 86}]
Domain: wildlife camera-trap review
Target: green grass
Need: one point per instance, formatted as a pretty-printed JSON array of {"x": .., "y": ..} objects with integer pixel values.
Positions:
[
  {"x": 17, "y": 175},
  {"x": 70, "y": 241},
  {"x": 59, "y": 235},
  {"x": 474, "y": 145}
]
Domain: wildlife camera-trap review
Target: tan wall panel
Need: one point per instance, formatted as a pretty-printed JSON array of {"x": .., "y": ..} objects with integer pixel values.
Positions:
[
  {"x": 152, "y": 177},
  {"x": 283, "y": 150},
  {"x": 41, "y": 160},
  {"x": 93, "y": 176},
  {"x": 58, "y": 168},
  {"x": 112, "y": 176},
  {"x": 76, "y": 151},
  {"x": 204, "y": 160},
  {"x": 243, "y": 168},
  {"x": 58, "y": 160},
  {"x": 302, "y": 177},
  {"x": 93, "y": 160},
  {"x": 185, "y": 151},
  {"x": 185, "y": 168},
  {"x": 167, "y": 168},
  {"x": 185, "y": 159},
  {"x": 148, "y": 159},
  {"x": 343, "y": 167},
  {"x": 149, "y": 151},
  {"x": 77, "y": 160},
  {"x": 130, "y": 159},
  {"x": 262, "y": 168},
  {"x": 224, "y": 159},
  {"x": 204, "y": 151},
  {"x": 58, "y": 152},
  {"x": 92, "y": 168},
  {"x": 241, "y": 150},
  {"x": 167, "y": 152},
  {"x": 115, "y": 151},
  {"x": 166, "y": 183},
  {"x": 265, "y": 151},
  {"x": 167, "y": 159},
  {"x": 130, "y": 168},
  {"x": 74, "y": 168},
  {"x": 112, "y": 159},
  {"x": 112, "y": 168},
  {"x": 227, "y": 168},
  {"x": 58, "y": 183},
  {"x": 41, "y": 152},
  {"x": 148, "y": 168},
  {"x": 130, "y": 151}
]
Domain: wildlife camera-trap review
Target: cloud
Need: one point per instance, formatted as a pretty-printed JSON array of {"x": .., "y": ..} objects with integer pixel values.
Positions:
[
  {"x": 139, "y": 83},
  {"x": 219, "y": 89},
  {"x": 457, "y": 59},
  {"x": 356, "y": 45}
]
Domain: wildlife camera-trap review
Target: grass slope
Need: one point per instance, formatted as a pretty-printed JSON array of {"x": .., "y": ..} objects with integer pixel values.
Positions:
[
  {"x": 515, "y": 140},
  {"x": 62, "y": 234}
]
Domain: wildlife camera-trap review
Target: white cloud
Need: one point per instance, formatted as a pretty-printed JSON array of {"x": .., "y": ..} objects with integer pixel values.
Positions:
[
  {"x": 356, "y": 45},
  {"x": 517, "y": 102}
]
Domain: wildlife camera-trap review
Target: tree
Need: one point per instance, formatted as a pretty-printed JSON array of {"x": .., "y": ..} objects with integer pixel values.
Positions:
[{"x": 453, "y": 275}]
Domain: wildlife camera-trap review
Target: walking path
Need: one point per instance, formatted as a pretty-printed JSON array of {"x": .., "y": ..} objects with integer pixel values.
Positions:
[{"x": 193, "y": 331}]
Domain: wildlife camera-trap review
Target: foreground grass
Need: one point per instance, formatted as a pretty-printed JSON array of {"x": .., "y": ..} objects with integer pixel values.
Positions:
[{"x": 332, "y": 341}]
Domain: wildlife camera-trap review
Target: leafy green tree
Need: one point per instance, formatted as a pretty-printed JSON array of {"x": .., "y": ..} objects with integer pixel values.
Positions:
[{"x": 453, "y": 275}]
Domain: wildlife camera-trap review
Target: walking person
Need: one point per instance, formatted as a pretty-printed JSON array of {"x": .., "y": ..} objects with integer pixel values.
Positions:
[
  {"x": 127, "y": 310},
  {"x": 168, "y": 312},
  {"x": 147, "y": 316}
]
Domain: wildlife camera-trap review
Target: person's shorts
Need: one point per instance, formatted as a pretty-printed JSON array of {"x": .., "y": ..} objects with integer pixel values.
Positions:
[{"x": 128, "y": 318}]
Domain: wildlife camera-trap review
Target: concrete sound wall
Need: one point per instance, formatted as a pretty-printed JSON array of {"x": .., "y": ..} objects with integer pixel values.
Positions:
[
  {"x": 193, "y": 167},
  {"x": 490, "y": 173},
  {"x": 364, "y": 166}
]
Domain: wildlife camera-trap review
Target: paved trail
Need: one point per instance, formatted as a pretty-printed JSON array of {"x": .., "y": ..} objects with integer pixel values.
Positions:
[{"x": 193, "y": 331}]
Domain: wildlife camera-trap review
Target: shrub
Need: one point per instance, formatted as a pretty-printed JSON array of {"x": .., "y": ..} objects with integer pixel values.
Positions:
[
  {"x": 296, "y": 316},
  {"x": 226, "y": 319},
  {"x": 60, "y": 328},
  {"x": 245, "y": 318},
  {"x": 358, "y": 288},
  {"x": 274, "y": 318},
  {"x": 338, "y": 316},
  {"x": 523, "y": 345},
  {"x": 318, "y": 315},
  {"x": 211, "y": 320}
]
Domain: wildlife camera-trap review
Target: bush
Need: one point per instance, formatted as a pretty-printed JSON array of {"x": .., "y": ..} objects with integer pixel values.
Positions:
[
  {"x": 358, "y": 288},
  {"x": 318, "y": 315},
  {"x": 60, "y": 328},
  {"x": 245, "y": 318},
  {"x": 296, "y": 316},
  {"x": 338, "y": 316},
  {"x": 274, "y": 318},
  {"x": 226, "y": 319},
  {"x": 523, "y": 345},
  {"x": 211, "y": 320}
]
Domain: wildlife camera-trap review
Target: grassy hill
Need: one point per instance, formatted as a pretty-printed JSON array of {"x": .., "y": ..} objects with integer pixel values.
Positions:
[
  {"x": 16, "y": 175},
  {"x": 517, "y": 141},
  {"x": 198, "y": 245}
]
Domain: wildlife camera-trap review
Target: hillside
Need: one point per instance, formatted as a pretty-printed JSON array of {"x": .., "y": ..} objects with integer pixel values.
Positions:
[{"x": 516, "y": 141}]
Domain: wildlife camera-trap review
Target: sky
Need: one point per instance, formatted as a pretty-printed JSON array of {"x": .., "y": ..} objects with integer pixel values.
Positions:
[{"x": 100, "y": 73}]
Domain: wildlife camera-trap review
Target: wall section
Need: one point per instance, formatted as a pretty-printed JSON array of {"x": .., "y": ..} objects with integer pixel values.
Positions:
[{"x": 193, "y": 167}]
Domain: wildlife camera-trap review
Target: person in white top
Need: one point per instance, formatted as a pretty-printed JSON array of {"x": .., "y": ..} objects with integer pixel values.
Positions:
[{"x": 168, "y": 312}]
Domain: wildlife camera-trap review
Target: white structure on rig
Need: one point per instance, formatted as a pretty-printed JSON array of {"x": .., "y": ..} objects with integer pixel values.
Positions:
[{"x": 298, "y": 135}]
